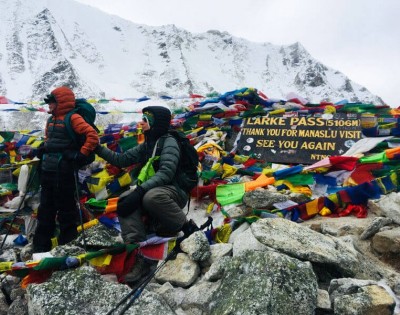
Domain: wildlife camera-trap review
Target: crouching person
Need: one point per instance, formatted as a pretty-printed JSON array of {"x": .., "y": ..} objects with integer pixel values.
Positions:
[{"x": 159, "y": 198}]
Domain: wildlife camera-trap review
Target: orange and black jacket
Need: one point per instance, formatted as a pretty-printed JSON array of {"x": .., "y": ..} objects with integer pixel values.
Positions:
[{"x": 57, "y": 139}]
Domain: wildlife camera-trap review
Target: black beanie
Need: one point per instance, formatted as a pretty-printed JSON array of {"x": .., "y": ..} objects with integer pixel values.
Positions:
[{"x": 162, "y": 120}]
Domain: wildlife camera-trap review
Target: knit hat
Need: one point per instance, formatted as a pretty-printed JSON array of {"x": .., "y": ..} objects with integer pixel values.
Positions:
[
  {"x": 159, "y": 119},
  {"x": 149, "y": 117},
  {"x": 50, "y": 98}
]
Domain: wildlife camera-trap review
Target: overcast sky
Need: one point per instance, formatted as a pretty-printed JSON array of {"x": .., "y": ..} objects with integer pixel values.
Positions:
[{"x": 360, "y": 38}]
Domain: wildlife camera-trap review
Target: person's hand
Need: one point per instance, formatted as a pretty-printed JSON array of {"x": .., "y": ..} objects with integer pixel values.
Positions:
[
  {"x": 81, "y": 158},
  {"x": 131, "y": 202},
  {"x": 74, "y": 156},
  {"x": 97, "y": 149},
  {"x": 40, "y": 151},
  {"x": 189, "y": 227},
  {"x": 69, "y": 155}
]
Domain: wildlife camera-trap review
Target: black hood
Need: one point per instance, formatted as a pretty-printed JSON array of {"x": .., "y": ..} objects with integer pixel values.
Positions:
[{"x": 162, "y": 121}]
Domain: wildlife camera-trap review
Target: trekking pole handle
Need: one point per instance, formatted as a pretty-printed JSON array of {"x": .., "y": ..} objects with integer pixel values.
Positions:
[{"x": 207, "y": 223}]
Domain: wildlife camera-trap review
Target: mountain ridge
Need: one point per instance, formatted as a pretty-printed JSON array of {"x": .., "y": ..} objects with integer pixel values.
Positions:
[{"x": 52, "y": 43}]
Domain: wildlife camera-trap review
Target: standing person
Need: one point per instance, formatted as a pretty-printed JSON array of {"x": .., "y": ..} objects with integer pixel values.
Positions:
[
  {"x": 159, "y": 198},
  {"x": 61, "y": 158}
]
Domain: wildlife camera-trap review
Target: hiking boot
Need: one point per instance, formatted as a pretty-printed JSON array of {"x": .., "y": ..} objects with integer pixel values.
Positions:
[{"x": 139, "y": 270}]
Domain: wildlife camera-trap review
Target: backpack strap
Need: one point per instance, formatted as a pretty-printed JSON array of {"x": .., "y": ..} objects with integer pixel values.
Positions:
[
  {"x": 160, "y": 144},
  {"x": 157, "y": 148},
  {"x": 68, "y": 126}
]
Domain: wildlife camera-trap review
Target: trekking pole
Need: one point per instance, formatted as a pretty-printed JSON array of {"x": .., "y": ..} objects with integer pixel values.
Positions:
[
  {"x": 137, "y": 291},
  {"x": 16, "y": 212},
  {"x": 139, "y": 288},
  {"x": 78, "y": 204}
]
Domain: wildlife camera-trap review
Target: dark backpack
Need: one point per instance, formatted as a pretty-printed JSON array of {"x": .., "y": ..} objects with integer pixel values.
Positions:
[
  {"x": 88, "y": 113},
  {"x": 186, "y": 176}
]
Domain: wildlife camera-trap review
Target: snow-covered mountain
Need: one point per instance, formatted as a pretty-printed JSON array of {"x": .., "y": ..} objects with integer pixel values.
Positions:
[{"x": 48, "y": 43}]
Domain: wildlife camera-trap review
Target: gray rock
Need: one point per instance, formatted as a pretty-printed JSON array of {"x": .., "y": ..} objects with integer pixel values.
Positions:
[
  {"x": 345, "y": 286},
  {"x": 338, "y": 226},
  {"x": 98, "y": 236},
  {"x": 83, "y": 291},
  {"x": 387, "y": 241},
  {"x": 26, "y": 252},
  {"x": 374, "y": 227},
  {"x": 263, "y": 199},
  {"x": 3, "y": 304},
  {"x": 303, "y": 243},
  {"x": 247, "y": 241},
  {"x": 323, "y": 301},
  {"x": 67, "y": 250},
  {"x": 191, "y": 311},
  {"x": 243, "y": 227},
  {"x": 196, "y": 246},
  {"x": 181, "y": 272},
  {"x": 17, "y": 292},
  {"x": 235, "y": 212},
  {"x": 199, "y": 296},
  {"x": 173, "y": 296},
  {"x": 298, "y": 198},
  {"x": 341, "y": 228},
  {"x": 368, "y": 300},
  {"x": 217, "y": 250},
  {"x": 389, "y": 206},
  {"x": 18, "y": 307},
  {"x": 217, "y": 269},
  {"x": 266, "y": 283}
]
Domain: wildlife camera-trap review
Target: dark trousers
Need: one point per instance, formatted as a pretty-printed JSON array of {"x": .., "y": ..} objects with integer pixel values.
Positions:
[
  {"x": 163, "y": 208},
  {"x": 57, "y": 201}
]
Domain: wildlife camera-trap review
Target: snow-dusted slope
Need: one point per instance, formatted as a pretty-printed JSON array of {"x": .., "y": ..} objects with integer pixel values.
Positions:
[{"x": 45, "y": 44}]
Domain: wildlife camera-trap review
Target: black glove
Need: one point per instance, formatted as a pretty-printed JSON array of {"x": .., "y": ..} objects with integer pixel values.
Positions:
[
  {"x": 97, "y": 149},
  {"x": 69, "y": 155},
  {"x": 81, "y": 159},
  {"x": 74, "y": 156},
  {"x": 189, "y": 228},
  {"x": 40, "y": 151},
  {"x": 129, "y": 203}
]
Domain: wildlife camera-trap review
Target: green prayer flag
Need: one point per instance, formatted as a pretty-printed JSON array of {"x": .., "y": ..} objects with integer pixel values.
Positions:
[
  {"x": 231, "y": 193},
  {"x": 208, "y": 175},
  {"x": 301, "y": 179},
  {"x": 50, "y": 263},
  {"x": 96, "y": 203},
  {"x": 375, "y": 158},
  {"x": 127, "y": 143}
]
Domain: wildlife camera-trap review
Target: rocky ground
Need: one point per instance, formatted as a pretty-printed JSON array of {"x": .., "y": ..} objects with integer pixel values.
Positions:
[{"x": 273, "y": 266}]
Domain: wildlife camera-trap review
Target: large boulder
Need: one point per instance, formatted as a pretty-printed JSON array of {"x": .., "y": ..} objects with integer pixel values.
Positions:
[
  {"x": 83, "y": 291},
  {"x": 305, "y": 244},
  {"x": 265, "y": 283},
  {"x": 387, "y": 206}
]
